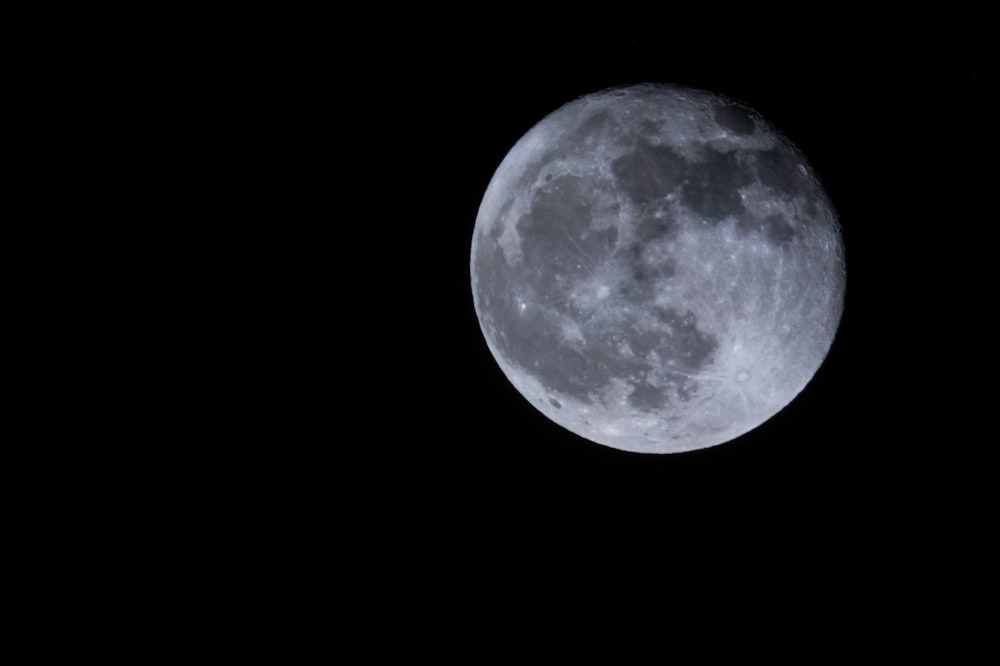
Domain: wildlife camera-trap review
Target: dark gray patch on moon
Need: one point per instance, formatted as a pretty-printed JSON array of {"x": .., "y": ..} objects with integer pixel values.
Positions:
[
  {"x": 735, "y": 118},
  {"x": 676, "y": 353},
  {"x": 778, "y": 168},
  {"x": 645, "y": 257},
  {"x": 712, "y": 187},
  {"x": 651, "y": 229},
  {"x": 689, "y": 348},
  {"x": 527, "y": 342},
  {"x": 644, "y": 272},
  {"x": 593, "y": 129},
  {"x": 558, "y": 241},
  {"x": 493, "y": 288},
  {"x": 648, "y": 173},
  {"x": 774, "y": 228},
  {"x": 646, "y": 397},
  {"x": 514, "y": 300},
  {"x": 783, "y": 170},
  {"x": 777, "y": 230}
]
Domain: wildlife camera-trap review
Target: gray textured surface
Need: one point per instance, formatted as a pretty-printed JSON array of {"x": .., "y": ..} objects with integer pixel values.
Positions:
[{"x": 657, "y": 269}]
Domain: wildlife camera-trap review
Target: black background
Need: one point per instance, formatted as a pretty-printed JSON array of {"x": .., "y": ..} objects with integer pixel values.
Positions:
[{"x": 248, "y": 384}]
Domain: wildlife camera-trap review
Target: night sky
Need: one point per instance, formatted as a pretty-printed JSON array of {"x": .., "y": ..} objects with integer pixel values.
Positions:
[{"x": 248, "y": 384}]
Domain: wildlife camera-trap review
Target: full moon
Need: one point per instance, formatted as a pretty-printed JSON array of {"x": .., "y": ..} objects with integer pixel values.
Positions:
[{"x": 657, "y": 268}]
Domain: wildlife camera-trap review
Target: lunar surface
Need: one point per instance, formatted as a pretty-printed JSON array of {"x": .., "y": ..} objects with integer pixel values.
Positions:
[{"x": 657, "y": 269}]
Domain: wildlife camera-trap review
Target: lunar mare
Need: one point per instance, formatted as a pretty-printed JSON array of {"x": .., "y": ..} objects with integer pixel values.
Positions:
[{"x": 657, "y": 268}]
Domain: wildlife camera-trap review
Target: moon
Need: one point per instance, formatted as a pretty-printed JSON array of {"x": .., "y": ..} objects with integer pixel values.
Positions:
[{"x": 657, "y": 268}]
